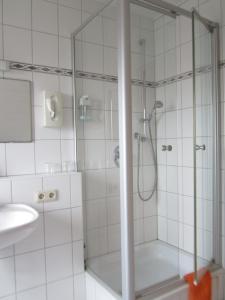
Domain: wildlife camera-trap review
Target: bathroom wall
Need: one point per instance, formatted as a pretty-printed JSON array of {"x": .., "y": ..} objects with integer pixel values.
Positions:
[
  {"x": 175, "y": 197},
  {"x": 96, "y": 49},
  {"x": 49, "y": 264}
]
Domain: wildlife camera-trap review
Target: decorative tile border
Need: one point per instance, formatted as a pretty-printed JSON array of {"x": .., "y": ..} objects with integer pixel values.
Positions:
[
  {"x": 109, "y": 78},
  {"x": 41, "y": 69},
  {"x": 88, "y": 75}
]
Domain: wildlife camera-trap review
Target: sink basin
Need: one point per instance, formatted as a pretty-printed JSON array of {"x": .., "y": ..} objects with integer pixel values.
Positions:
[{"x": 17, "y": 221}]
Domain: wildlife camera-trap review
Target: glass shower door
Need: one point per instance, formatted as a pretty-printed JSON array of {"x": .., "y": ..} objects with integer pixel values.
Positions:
[{"x": 203, "y": 144}]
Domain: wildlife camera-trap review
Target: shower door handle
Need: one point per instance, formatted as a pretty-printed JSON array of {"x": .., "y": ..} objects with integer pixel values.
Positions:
[
  {"x": 198, "y": 147},
  {"x": 117, "y": 156}
]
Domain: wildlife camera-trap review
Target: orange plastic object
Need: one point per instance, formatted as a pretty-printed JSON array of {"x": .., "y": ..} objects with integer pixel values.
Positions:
[{"x": 202, "y": 291}]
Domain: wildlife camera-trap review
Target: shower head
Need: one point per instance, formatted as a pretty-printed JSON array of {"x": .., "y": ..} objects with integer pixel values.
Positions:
[{"x": 158, "y": 104}]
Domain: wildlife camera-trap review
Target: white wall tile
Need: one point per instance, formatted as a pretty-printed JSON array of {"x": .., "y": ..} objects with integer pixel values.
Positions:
[
  {"x": 59, "y": 262},
  {"x": 172, "y": 206},
  {"x": 173, "y": 233},
  {"x": 76, "y": 189},
  {"x": 112, "y": 182},
  {"x": 65, "y": 84},
  {"x": 38, "y": 293},
  {"x": 186, "y": 57},
  {"x": 111, "y": 125},
  {"x": 92, "y": 179},
  {"x": 79, "y": 287},
  {"x": 138, "y": 231},
  {"x": 111, "y": 96},
  {"x": 46, "y": 152},
  {"x": 25, "y": 163},
  {"x": 27, "y": 264},
  {"x": 69, "y": 20},
  {"x": 34, "y": 242},
  {"x": 162, "y": 229},
  {"x": 93, "y": 33},
  {"x": 57, "y": 227},
  {"x": 96, "y": 213},
  {"x": 77, "y": 224},
  {"x": 187, "y": 122},
  {"x": 187, "y": 93},
  {"x": 6, "y": 252},
  {"x": 60, "y": 289},
  {"x": 110, "y": 61},
  {"x": 150, "y": 229},
  {"x": 93, "y": 58},
  {"x": 61, "y": 184},
  {"x": 113, "y": 210},
  {"x": 71, "y": 3},
  {"x": 67, "y": 151},
  {"x": 5, "y": 191},
  {"x": 2, "y": 160},
  {"x": 78, "y": 257},
  {"x": 65, "y": 53},
  {"x": 114, "y": 242},
  {"x": 22, "y": 52},
  {"x": 95, "y": 154},
  {"x": 97, "y": 242},
  {"x": 24, "y": 189},
  {"x": 7, "y": 274},
  {"x": 44, "y": 16},
  {"x": 45, "y": 49},
  {"x": 17, "y": 13},
  {"x": 172, "y": 179},
  {"x": 162, "y": 203},
  {"x": 95, "y": 127},
  {"x": 109, "y": 32}
]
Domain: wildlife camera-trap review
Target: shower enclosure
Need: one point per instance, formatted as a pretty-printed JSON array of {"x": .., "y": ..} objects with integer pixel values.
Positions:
[{"x": 146, "y": 86}]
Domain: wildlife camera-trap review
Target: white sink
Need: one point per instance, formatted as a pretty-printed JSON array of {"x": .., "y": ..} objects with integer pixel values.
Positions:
[{"x": 17, "y": 221}]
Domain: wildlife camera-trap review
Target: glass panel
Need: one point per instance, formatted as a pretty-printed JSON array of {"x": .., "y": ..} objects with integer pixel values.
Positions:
[
  {"x": 97, "y": 143},
  {"x": 203, "y": 142},
  {"x": 155, "y": 129}
]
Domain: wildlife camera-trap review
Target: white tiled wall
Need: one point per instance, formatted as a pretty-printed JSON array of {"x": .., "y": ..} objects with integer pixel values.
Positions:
[
  {"x": 99, "y": 135},
  {"x": 49, "y": 264},
  {"x": 38, "y": 31},
  {"x": 175, "y": 127}
]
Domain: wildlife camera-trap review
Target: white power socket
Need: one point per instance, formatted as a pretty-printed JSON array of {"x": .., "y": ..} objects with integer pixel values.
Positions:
[{"x": 47, "y": 196}]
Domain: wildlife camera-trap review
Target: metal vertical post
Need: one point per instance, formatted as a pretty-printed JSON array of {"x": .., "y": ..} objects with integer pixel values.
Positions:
[
  {"x": 126, "y": 157},
  {"x": 217, "y": 217}
]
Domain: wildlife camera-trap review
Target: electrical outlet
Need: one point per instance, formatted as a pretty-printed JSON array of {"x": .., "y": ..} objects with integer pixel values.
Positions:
[
  {"x": 47, "y": 196},
  {"x": 51, "y": 196},
  {"x": 40, "y": 197}
]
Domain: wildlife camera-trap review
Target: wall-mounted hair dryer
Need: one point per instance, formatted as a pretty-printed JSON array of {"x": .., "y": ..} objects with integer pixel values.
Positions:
[{"x": 53, "y": 109}]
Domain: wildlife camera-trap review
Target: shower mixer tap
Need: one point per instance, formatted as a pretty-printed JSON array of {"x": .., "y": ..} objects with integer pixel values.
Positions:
[{"x": 167, "y": 148}]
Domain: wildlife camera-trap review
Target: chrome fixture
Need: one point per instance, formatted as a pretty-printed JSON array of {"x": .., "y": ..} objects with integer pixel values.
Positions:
[
  {"x": 167, "y": 148},
  {"x": 142, "y": 138},
  {"x": 198, "y": 147},
  {"x": 84, "y": 103},
  {"x": 117, "y": 156},
  {"x": 157, "y": 105}
]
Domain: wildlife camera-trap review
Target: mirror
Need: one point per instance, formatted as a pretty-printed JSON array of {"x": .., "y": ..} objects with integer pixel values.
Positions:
[{"x": 15, "y": 111}]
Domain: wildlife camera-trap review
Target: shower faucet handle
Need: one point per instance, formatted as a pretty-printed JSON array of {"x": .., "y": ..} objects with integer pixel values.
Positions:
[{"x": 167, "y": 148}]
